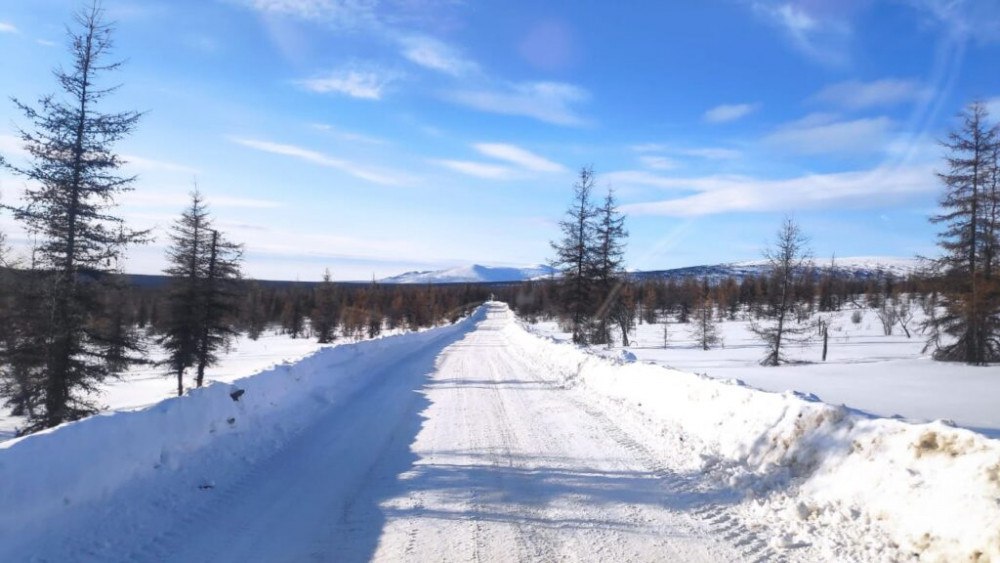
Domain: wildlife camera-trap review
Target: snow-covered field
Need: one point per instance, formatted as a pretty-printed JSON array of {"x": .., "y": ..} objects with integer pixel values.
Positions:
[
  {"x": 482, "y": 441},
  {"x": 887, "y": 376}
]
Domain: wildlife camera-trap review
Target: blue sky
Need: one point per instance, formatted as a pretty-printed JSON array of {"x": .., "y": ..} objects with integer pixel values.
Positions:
[{"x": 377, "y": 136}]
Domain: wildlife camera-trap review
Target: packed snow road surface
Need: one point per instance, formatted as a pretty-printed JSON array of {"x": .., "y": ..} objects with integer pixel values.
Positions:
[
  {"x": 462, "y": 451},
  {"x": 482, "y": 442}
]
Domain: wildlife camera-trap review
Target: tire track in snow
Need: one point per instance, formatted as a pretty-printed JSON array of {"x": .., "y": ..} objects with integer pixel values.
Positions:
[
  {"x": 715, "y": 515},
  {"x": 530, "y": 542},
  {"x": 504, "y": 360}
]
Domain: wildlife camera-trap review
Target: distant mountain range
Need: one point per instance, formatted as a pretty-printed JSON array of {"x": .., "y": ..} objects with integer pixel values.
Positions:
[
  {"x": 474, "y": 274},
  {"x": 855, "y": 267}
]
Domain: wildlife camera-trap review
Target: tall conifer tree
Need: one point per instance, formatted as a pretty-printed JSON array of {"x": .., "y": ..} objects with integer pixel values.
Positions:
[
  {"x": 202, "y": 300},
  {"x": 74, "y": 177},
  {"x": 575, "y": 256},
  {"x": 971, "y": 295}
]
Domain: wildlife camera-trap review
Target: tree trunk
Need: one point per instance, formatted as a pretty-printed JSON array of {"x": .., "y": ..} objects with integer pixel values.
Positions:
[
  {"x": 203, "y": 345},
  {"x": 826, "y": 337}
]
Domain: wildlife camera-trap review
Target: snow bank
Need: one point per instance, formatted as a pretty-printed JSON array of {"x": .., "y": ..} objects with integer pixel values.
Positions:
[
  {"x": 89, "y": 460},
  {"x": 934, "y": 488}
]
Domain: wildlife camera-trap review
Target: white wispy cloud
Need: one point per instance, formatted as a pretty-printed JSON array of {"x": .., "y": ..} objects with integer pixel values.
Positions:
[
  {"x": 12, "y": 146},
  {"x": 46, "y": 43},
  {"x": 855, "y": 94},
  {"x": 382, "y": 17},
  {"x": 149, "y": 164},
  {"x": 179, "y": 199},
  {"x": 550, "y": 102},
  {"x": 823, "y": 36},
  {"x": 650, "y": 147},
  {"x": 993, "y": 107},
  {"x": 349, "y": 136},
  {"x": 976, "y": 19},
  {"x": 657, "y": 162},
  {"x": 477, "y": 169},
  {"x": 242, "y": 202},
  {"x": 7, "y": 27},
  {"x": 817, "y": 134},
  {"x": 725, "y": 194},
  {"x": 340, "y": 13},
  {"x": 709, "y": 153},
  {"x": 436, "y": 55},
  {"x": 374, "y": 176},
  {"x": 368, "y": 84},
  {"x": 521, "y": 157},
  {"x": 713, "y": 153},
  {"x": 729, "y": 112}
]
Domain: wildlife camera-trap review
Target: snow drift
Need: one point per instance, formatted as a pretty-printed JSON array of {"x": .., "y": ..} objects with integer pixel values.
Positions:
[
  {"x": 87, "y": 461},
  {"x": 934, "y": 488}
]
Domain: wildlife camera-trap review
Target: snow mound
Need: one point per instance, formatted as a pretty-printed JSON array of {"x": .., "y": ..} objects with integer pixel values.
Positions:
[
  {"x": 473, "y": 274},
  {"x": 87, "y": 461},
  {"x": 933, "y": 488}
]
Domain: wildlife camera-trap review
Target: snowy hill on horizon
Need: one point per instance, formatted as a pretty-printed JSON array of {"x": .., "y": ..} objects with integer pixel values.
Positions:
[
  {"x": 855, "y": 267},
  {"x": 475, "y": 273},
  {"x": 858, "y": 267}
]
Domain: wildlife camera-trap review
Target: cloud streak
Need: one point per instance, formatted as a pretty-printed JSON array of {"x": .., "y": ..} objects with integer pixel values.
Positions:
[
  {"x": 549, "y": 102},
  {"x": 658, "y": 162},
  {"x": 729, "y": 112},
  {"x": 149, "y": 164},
  {"x": 148, "y": 198},
  {"x": 975, "y": 19},
  {"x": 817, "y": 135},
  {"x": 822, "y": 37},
  {"x": 7, "y": 28},
  {"x": 12, "y": 146},
  {"x": 435, "y": 55},
  {"x": 518, "y": 156},
  {"x": 708, "y": 153},
  {"x": 856, "y": 95},
  {"x": 356, "y": 83},
  {"x": 718, "y": 194},
  {"x": 347, "y": 14},
  {"x": 478, "y": 169},
  {"x": 376, "y": 177},
  {"x": 349, "y": 136}
]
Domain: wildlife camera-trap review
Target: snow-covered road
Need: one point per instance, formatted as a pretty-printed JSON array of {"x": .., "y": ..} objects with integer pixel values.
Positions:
[
  {"x": 464, "y": 451},
  {"x": 510, "y": 466},
  {"x": 481, "y": 442}
]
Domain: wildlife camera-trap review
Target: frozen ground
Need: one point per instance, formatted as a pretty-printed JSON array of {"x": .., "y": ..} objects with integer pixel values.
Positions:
[
  {"x": 480, "y": 441},
  {"x": 886, "y": 376}
]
